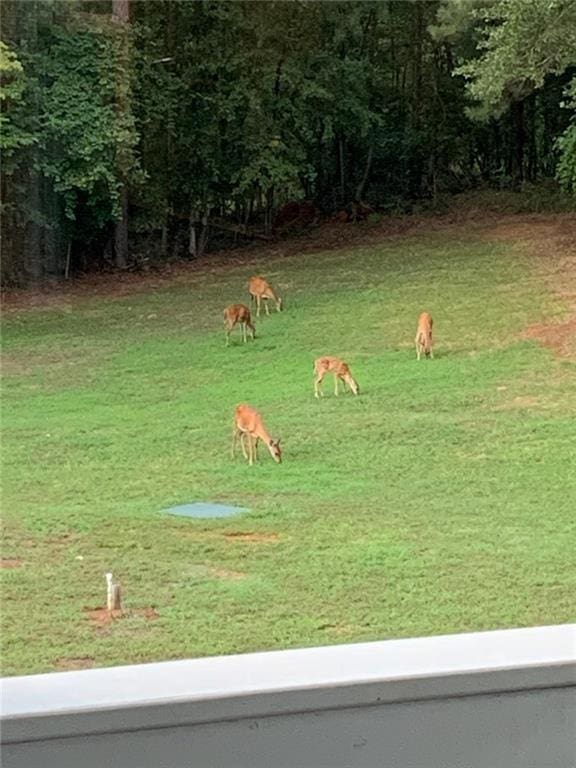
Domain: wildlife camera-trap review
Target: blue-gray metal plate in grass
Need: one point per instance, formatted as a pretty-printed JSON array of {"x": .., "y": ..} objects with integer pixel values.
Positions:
[{"x": 203, "y": 510}]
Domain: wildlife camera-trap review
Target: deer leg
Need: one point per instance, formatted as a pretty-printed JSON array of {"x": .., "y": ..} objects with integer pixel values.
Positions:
[
  {"x": 250, "y": 451},
  {"x": 431, "y": 351},
  {"x": 267, "y": 307},
  {"x": 336, "y": 385},
  {"x": 317, "y": 382},
  {"x": 252, "y": 331},
  {"x": 244, "y": 332},
  {"x": 243, "y": 437},
  {"x": 258, "y": 302},
  {"x": 417, "y": 349},
  {"x": 234, "y": 439}
]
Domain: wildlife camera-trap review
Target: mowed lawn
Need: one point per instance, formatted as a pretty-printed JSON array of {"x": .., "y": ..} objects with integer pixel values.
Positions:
[{"x": 440, "y": 500}]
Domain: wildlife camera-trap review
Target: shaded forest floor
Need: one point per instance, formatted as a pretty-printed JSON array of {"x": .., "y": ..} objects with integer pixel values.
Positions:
[{"x": 439, "y": 500}]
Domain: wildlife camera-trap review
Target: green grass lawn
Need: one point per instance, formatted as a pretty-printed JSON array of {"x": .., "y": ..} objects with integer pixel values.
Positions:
[{"x": 440, "y": 500}]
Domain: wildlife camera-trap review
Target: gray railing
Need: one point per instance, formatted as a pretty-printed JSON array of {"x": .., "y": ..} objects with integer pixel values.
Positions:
[{"x": 500, "y": 699}]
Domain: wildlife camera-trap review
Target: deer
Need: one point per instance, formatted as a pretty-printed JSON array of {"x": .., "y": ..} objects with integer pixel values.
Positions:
[
  {"x": 260, "y": 289},
  {"x": 339, "y": 369},
  {"x": 238, "y": 313},
  {"x": 424, "y": 336},
  {"x": 248, "y": 426}
]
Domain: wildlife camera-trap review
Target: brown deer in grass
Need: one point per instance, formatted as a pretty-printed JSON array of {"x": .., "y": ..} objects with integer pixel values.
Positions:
[
  {"x": 248, "y": 426},
  {"x": 424, "y": 336},
  {"x": 259, "y": 290},
  {"x": 339, "y": 369},
  {"x": 238, "y": 314}
]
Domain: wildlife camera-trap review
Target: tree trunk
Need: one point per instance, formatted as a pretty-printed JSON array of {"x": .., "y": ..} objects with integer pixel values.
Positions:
[
  {"x": 360, "y": 188},
  {"x": 519, "y": 141},
  {"x": 204, "y": 234},
  {"x": 342, "y": 171},
  {"x": 121, "y": 15},
  {"x": 198, "y": 232},
  {"x": 532, "y": 160},
  {"x": 268, "y": 211},
  {"x": 164, "y": 237},
  {"x": 417, "y": 65},
  {"x": 417, "y": 161},
  {"x": 192, "y": 241},
  {"x": 121, "y": 230}
]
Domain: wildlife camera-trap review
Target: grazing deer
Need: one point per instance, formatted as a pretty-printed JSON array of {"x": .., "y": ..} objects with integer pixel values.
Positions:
[
  {"x": 424, "y": 336},
  {"x": 248, "y": 426},
  {"x": 334, "y": 365},
  {"x": 238, "y": 313},
  {"x": 260, "y": 289}
]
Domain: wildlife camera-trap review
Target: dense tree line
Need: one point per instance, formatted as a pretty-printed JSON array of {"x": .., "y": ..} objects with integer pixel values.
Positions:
[{"x": 131, "y": 127}]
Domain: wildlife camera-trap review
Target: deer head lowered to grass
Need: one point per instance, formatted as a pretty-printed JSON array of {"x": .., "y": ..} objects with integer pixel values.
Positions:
[
  {"x": 249, "y": 427},
  {"x": 339, "y": 369},
  {"x": 238, "y": 314},
  {"x": 260, "y": 290},
  {"x": 424, "y": 336}
]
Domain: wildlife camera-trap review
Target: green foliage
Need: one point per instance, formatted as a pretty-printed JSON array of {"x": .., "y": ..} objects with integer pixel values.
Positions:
[
  {"x": 440, "y": 500},
  {"x": 12, "y": 88},
  {"x": 522, "y": 41},
  {"x": 567, "y": 166},
  {"x": 566, "y": 172},
  {"x": 80, "y": 126},
  {"x": 227, "y": 110},
  {"x": 84, "y": 133}
]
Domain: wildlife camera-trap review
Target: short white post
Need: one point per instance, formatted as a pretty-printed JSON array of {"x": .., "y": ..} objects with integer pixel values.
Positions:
[{"x": 114, "y": 600}]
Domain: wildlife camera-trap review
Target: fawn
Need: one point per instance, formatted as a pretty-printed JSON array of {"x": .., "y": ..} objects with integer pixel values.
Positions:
[
  {"x": 424, "y": 336},
  {"x": 238, "y": 313},
  {"x": 334, "y": 365},
  {"x": 248, "y": 426},
  {"x": 260, "y": 289}
]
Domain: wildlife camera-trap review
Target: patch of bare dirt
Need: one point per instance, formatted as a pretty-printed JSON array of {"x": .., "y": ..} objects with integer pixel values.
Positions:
[
  {"x": 101, "y": 618},
  {"x": 148, "y": 613},
  {"x": 67, "y": 664},
  {"x": 551, "y": 242},
  {"x": 560, "y": 337},
  {"x": 63, "y": 540},
  {"x": 538, "y": 229},
  {"x": 14, "y": 367},
  {"x": 227, "y": 575},
  {"x": 254, "y": 538},
  {"x": 10, "y": 562}
]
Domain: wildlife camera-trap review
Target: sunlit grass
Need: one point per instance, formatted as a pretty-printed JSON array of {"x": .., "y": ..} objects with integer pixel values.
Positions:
[{"x": 439, "y": 500}]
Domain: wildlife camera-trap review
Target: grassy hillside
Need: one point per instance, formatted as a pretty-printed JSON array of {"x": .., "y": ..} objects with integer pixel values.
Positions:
[{"x": 439, "y": 500}]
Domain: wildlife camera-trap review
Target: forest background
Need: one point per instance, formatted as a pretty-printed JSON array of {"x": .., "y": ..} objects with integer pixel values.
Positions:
[{"x": 160, "y": 129}]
